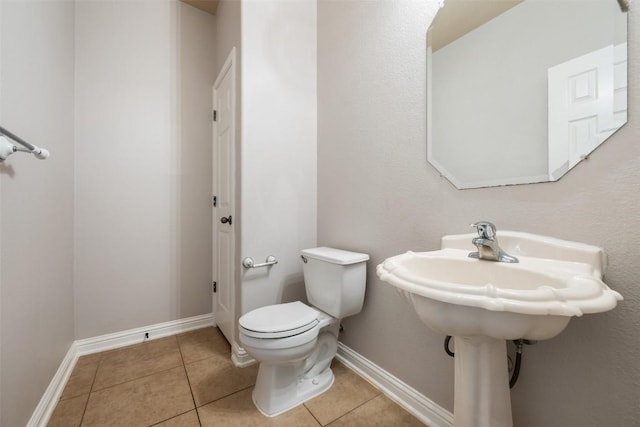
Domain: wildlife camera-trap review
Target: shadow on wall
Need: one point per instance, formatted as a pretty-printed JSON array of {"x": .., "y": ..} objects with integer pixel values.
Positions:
[
  {"x": 7, "y": 170},
  {"x": 293, "y": 289}
]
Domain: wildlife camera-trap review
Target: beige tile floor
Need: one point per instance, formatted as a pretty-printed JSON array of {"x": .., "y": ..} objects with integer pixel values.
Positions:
[{"x": 189, "y": 380}]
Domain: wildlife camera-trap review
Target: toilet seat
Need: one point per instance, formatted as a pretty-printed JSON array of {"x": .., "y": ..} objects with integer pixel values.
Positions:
[{"x": 279, "y": 320}]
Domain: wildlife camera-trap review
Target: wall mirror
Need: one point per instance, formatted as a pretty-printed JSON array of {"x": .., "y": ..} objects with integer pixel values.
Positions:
[{"x": 520, "y": 91}]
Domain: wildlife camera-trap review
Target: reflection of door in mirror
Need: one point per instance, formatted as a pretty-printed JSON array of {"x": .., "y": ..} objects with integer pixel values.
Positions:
[
  {"x": 587, "y": 104},
  {"x": 488, "y": 119}
]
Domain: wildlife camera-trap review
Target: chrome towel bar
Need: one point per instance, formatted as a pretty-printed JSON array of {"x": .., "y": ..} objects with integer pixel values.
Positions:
[
  {"x": 248, "y": 262},
  {"x": 6, "y": 148}
]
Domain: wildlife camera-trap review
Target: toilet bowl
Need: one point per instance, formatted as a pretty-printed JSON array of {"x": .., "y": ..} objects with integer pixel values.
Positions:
[
  {"x": 294, "y": 342},
  {"x": 294, "y": 362}
]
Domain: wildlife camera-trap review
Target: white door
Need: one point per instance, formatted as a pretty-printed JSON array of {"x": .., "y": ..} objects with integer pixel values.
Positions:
[
  {"x": 587, "y": 103},
  {"x": 224, "y": 219}
]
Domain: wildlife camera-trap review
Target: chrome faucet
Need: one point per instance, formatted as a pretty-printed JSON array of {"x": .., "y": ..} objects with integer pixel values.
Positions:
[{"x": 487, "y": 244}]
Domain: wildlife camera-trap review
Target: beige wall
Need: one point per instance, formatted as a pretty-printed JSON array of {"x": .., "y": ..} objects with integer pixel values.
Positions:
[
  {"x": 377, "y": 194},
  {"x": 36, "y": 214},
  {"x": 228, "y": 33},
  {"x": 278, "y": 147},
  {"x": 142, "y": 87},
  {"x": 125, "y": 183},
  {"x": 142, "y": 184},
  {"x": 196, "y": 59}
]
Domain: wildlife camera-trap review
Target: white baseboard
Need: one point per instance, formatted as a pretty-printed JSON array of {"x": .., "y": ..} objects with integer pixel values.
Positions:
[
  {"x": 410, "y": 399},
  {"x": 49, "y": 400},
  {"x": 137, "y": 335},
  {"x": 404, "y": 395},
  {"x": 240, "y": 357}
]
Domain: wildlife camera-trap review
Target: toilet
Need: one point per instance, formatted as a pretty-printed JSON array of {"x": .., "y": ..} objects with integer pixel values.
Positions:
[{"x": 294, "y": 342}]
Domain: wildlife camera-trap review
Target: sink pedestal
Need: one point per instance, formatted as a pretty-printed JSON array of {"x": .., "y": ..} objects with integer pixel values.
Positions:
[
  {"x": 482, "y": 397},
  {"x": 482, "y": 304}
]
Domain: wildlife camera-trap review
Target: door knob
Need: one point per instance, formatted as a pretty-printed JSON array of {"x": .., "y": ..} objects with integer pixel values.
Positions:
[{"x": 225, "y": 219}]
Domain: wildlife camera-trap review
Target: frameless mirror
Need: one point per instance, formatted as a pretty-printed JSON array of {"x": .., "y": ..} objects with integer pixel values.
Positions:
[{"x": 520, "y": 91}]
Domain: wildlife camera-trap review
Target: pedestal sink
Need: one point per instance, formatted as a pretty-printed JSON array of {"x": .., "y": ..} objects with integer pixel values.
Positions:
[{"x": 484, "y": 303}]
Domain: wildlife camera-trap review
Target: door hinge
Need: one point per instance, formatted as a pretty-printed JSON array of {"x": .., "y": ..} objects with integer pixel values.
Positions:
[
  {"x": 214, "y": 287},
  {"x": 215, "y": 201},
  {"x": 215, "y": 115}
]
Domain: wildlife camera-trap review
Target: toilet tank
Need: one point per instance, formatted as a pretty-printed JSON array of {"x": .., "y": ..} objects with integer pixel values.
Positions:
[{"x": 335, "y": 280}]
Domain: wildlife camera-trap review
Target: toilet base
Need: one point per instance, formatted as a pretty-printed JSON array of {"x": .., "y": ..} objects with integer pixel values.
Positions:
[{"x": 274, "y": 401}]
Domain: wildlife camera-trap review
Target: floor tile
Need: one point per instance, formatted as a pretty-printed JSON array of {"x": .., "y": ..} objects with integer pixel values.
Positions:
[
  {"x": 348, "y": 392},
  {"x": 238, "y": 410},
  {"x": 140, "y": 402},
  {"x": 190, "y": 419},
  {"x": 136, "y": 361},
  {"x": 379, "y": 411},
  {"x": 68, "y": 412},
  {"x": 147, "y": 384},
  {"x": 217, "y": 377},
  {"x": 82, "y": 376},
  {"x": 202, "y": 343}
]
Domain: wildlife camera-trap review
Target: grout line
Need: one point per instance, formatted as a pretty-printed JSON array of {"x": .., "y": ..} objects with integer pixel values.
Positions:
[
  {"x": 176, "y": 416},
  {"x": 353, "y": 409},
  {"x": 378, "y": 393},
  {"x": 184, "y": 367},
  {"x": 95, "y": 374},
  {"x": 225, "y": 396},
  {"x": 191, "y": 362},
  {"x": 136, "y": 378},
  {"x": 309, "y": 411},
  {"x": 196, "y": 407}
]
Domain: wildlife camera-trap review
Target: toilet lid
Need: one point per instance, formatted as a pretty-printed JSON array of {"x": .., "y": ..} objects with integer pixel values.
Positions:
[
  {"x": 280, "y": 320},
  {"x": 335, "y": 256}
]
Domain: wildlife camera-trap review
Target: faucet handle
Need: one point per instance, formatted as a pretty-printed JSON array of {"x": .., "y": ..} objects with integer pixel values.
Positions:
[{"x": 485, "y": 229}]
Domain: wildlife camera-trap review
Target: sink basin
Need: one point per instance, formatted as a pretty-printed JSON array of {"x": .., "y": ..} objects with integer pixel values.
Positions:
[
  {"x": 483, "y": 303},
  {"x": 533, "y": 299}
]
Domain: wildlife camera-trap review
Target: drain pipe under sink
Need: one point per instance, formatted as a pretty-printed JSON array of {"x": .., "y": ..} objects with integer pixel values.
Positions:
[{"x": 516, "y": 368}]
